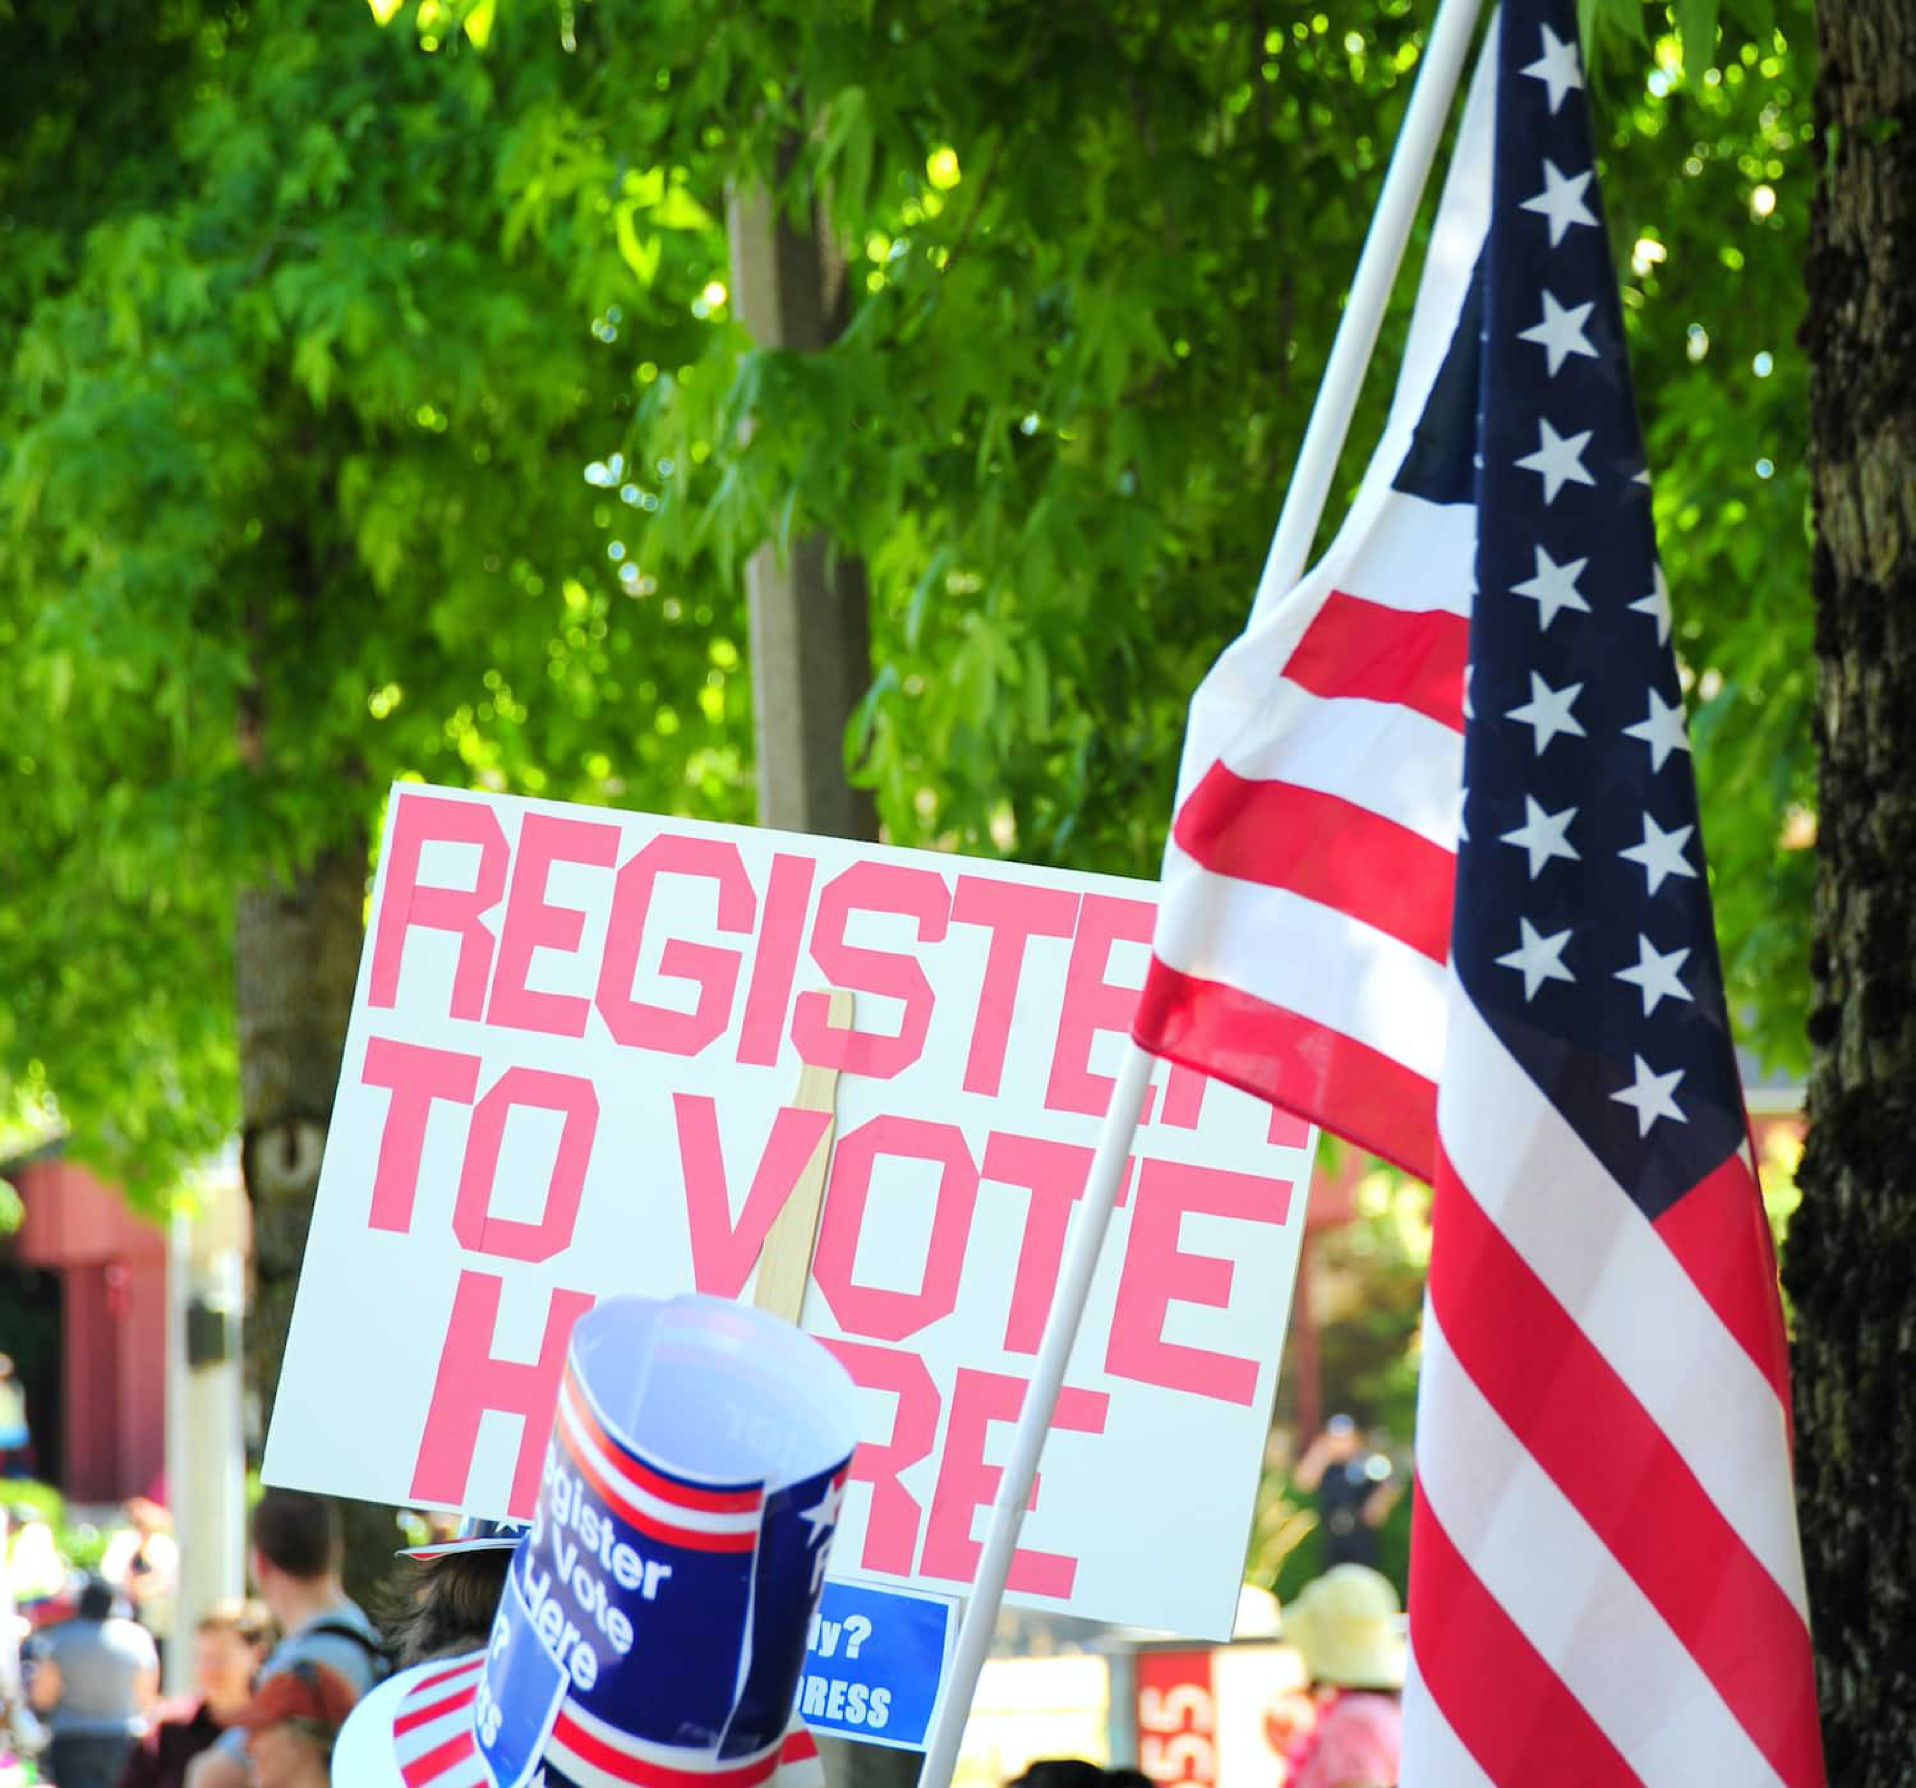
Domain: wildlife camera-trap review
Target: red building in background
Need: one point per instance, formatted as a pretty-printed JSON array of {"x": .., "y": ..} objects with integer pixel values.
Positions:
[{"x": 83, "y": 1311}]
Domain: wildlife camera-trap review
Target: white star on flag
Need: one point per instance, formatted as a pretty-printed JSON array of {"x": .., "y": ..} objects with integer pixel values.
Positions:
[
  {"x": 1538, "y": 959},
  {"x": 1558, "y": 68},
  {"x": 1560, "y": 334},
  {"x": 1554, "y": 588},
  {"x": 1662, "y": 730},
  {"x": 1561, "y": 201},
  {"x": 1547, "y": 712},
  {"x": 1558, "y": 460},
  {"x": 822, "y": 1516},
  {"x": 1651, "y": 1096},
  {"x": 1660, "y": 853},
  {"x": 1655, "y": 975},
  {"x": 1656, "y": 605},
  {"x": 1542, "y": 835}
]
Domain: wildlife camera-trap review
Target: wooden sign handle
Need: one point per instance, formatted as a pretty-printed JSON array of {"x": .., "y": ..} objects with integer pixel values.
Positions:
[{"x": 785, "y": 1262}]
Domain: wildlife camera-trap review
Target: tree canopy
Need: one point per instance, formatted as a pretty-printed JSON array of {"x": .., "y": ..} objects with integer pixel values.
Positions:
[{"x": 376, "y": 408}]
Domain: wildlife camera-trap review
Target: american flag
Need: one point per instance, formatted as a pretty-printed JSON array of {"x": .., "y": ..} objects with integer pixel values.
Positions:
[{"x": 1436, "y": 882}]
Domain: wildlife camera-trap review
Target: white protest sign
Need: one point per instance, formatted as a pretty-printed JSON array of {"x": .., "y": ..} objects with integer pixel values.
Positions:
[{"x": 570, "y": 1073}]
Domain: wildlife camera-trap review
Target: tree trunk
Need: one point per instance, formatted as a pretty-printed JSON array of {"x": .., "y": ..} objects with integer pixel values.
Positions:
[
  {"x": 1851, "y": 1256},
  {"x": 296, "y": 956},
  {"x": 810, "y": 611},
  {"x": 811, "y": 655}
]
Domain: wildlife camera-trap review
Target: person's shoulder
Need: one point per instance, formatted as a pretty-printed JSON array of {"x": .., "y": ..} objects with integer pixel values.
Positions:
[
  {"x": 129, "y": 1636},
  {"x": 342, "y": 1639}
]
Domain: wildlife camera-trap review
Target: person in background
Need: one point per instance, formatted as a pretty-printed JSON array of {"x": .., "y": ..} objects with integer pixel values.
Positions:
[
  {"x": 16, "y": 1442},
  {"x": 92, "y": 1679},
  {"x": 145, "y": 1564},
  {"x": 1348, "y": 1624},
  {"x": 292, "y": 1723},
  {"x": 1354, "y": 1487},
  {"x": 442, "y": 1602},
  {"x": 445, "y": 1594},
  {"x": 229, "y": 1646},
  {"x": 295, "y": 1561}
]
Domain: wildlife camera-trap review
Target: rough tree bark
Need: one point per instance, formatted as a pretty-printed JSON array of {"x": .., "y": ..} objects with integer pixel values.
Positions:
[
  {"x": 811, "y": 651},
  {"x": 296, "y": 954},
  {"x": 1850, "y": 1263}
]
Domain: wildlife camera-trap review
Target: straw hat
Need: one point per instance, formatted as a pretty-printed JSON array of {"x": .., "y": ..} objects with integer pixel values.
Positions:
[{"x": 1348, "y": 1624}]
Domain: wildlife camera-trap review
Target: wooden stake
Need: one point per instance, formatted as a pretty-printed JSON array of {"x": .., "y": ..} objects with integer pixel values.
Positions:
[{"x": 785, "y": 1262}]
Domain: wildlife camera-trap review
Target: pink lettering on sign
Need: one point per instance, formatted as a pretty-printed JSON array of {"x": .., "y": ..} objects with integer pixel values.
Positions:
[
  {"x": 1054, "y": 1173},
  {"x": 419, "y": 820},
  {"x": 532, "y": 924},
  {"x": 417, "y": 1076},
  {"x": 1015, "y": 913},
  {"x": 781, "y": 931},
  {"x": 1157, "y": 1273},
  {"x": 723, "y": 1254},
  {"x": 868, "y": 1310},
  {"x": 472, "y": 1381},
  {"x": 713, "y": 970},
  {"x": 966, "y": 1483},
  {"x": 919, "y": 894},
  {"x": 502, "y": 1237},
  {"x": 1093, "y": 1004},
  {"x": 891, "y": 1530}
]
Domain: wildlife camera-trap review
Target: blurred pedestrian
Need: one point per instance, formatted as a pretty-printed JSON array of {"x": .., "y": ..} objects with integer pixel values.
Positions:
[
  {"x": 92, "y": 1680},
  {"x": 1355, "y": 1488},
  {"x": 144, "y": 1563},
  {"x": 229, "y": 1646},
  {"x": 292, "y": 1724},
  {"x": 16, "y": 1440},
  {"x": 1348, "y": 1624},
  {"x": 295, "y": 1560}
]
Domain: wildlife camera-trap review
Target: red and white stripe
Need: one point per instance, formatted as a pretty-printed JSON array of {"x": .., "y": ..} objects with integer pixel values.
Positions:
[
  {"x": 1606, "y": 1581},
  {"x": 1304, "y": 921},
  {"x": 432, "y": 1729},
  {"x": 594, "y": 1754},
  {"x": 723, "y": 1518}
]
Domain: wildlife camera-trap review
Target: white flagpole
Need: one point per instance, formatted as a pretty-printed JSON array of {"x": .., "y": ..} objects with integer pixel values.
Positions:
[
  {"x": 1438, "y": 75},
  {"x": 1430, "y": 101}
]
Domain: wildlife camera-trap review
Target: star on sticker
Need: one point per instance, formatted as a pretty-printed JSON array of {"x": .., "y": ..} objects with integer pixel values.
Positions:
[
  {"x": 1469, "y": 671},
  {"x": 1542, "y": 835},
  {"x": 1661, "y": 853},
  {"x": 1561, "y": 201},
  {"x": 1655, "y": 975},
  {"x": 1537, "y": 959},
  {"x": 1656, "y": 605},
  {"x": 1651, "y": 1096},
  {"x": 822, "y": 1516},
  {"x": 1558, "y": 68},
  {"x": 1553, "y": 589},
  {"x": 1560, "y": 334},
  {"x": 1558, "y": 460},
  {"x": 1547, "y": 712},
  {"x": 1662, "y": 730}
]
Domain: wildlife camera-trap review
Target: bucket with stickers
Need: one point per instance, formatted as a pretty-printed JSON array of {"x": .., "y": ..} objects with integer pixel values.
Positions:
[{"x": 656, "y": 1613}]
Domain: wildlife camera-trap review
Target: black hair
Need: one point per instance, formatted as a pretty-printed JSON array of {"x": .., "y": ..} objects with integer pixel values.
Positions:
[
  {"x": 96, "y": 1600},
  {"x": 298, "y": 1533}
]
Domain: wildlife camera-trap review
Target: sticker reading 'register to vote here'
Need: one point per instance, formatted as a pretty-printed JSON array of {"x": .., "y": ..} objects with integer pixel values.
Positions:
[{"x": 873, "y": 1663}]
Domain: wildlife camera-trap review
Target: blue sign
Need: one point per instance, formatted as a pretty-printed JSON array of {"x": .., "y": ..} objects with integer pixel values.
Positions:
[{"x": 874, "y": 1663}]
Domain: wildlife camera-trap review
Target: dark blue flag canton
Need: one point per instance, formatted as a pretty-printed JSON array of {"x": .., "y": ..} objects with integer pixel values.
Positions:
[{"x": 1582, "y": 929}]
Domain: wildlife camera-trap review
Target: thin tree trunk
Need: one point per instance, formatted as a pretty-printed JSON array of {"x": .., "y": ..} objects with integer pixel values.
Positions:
[
  {"x": 296, "y": 955},
  {"x": 811, "y": 653},
  {"x": 1850, "y": 1263}
]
